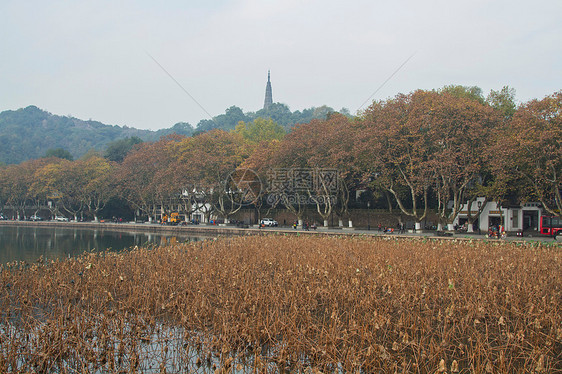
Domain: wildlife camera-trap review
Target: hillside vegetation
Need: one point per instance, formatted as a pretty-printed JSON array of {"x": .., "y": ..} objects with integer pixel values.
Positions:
[{"x": 28, "y": 133}]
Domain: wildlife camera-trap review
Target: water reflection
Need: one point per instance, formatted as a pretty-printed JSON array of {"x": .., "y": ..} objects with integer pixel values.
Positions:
[{"x": 29, "y": 243}]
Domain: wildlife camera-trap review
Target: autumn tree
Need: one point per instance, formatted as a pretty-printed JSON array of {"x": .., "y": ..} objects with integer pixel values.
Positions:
[
  {"x": 140, "y": 176},
  {"x": 16, "y": 181},
  {"x": 98, "y": 187},
  {"x": 310, "y": 166},
  {"x": 260, "y": 162},
  {"x": 62, "y": 183},
  {"x": 45, "y": 182},
  {"x": 206, "y": 161},
  {"x": 530, "y": 147},
  {"x": 394, "y": 151},
  {"x": 460, "y": 133}
]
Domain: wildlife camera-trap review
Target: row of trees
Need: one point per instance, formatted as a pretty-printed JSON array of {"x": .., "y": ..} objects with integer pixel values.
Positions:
[{"x": 418, "y": 151}]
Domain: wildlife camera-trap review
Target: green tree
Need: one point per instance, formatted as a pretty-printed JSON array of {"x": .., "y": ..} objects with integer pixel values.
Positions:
[
  {"x": 470, "y": 92},
  {"x": 226, "y": 121},
  {"x": 503, "y": 101},
  {"x": 117, "y": 150},
  {"x": 59, "y": 153},
  {"x": 260, "y": 130}
]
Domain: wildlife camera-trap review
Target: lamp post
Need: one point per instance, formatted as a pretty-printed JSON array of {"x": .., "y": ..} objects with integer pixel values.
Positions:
[{"x": 368, "y": 216}]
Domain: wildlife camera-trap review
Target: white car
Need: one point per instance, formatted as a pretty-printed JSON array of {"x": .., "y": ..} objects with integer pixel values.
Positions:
[
  {"x": 270, "y": 222},
  {"x": 61, "y": 219}
]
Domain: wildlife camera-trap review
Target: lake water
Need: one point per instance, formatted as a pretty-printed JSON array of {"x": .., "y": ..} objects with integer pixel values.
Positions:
[{"x": 27, "y": 243}]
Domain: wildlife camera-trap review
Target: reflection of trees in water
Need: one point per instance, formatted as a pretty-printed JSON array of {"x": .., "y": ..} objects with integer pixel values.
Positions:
[{"x": 30, "y": 243}]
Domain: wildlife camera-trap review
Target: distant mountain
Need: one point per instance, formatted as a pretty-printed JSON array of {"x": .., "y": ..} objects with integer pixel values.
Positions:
[{"x": 29, "y": 132}]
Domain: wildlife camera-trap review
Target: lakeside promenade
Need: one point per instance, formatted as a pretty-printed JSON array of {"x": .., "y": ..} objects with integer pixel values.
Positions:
[{"x": 231, "y": 229}]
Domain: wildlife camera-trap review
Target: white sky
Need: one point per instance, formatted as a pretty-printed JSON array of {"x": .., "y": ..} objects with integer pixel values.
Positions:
[{"x": 89, "y": 59}]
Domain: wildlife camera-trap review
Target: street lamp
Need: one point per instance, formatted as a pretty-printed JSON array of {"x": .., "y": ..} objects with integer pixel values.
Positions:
[{"x": 368, "y": 216}]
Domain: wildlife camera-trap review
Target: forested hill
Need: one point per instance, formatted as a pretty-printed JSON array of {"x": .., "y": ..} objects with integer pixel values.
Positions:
[{"x": 29, "y": 132}]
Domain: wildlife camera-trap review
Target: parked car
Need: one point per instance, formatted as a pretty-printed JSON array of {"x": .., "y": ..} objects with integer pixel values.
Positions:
[
  {"x": 35, "y": 217},
  {"x": 2, "y": 218},
  {"x": 61, "y": 219},
  {"x": 270, "y": 222}
]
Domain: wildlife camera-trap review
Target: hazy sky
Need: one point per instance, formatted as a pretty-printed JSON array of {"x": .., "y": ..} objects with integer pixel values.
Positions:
[{"x": 90, "y": 59}]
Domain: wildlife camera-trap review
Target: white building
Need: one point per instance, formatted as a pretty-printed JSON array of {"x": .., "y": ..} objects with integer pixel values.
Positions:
[{"x": 518, "y": 218}]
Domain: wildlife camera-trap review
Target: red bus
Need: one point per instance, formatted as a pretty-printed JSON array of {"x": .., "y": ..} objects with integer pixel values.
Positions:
[{"x": 550, "y": 226}]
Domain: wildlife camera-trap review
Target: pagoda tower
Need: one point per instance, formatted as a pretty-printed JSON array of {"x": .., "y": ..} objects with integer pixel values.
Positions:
[{"x": 268, "y": 96}]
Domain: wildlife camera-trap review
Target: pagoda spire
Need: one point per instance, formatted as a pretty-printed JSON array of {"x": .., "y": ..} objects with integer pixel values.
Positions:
[{"x": 268, "y": 95}]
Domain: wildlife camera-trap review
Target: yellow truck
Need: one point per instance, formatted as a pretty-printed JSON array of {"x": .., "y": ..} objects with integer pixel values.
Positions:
[{"x": 173, "y": 219}]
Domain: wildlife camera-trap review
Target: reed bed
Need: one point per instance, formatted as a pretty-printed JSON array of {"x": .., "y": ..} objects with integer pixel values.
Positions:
[{"x": 279, "y": 304}]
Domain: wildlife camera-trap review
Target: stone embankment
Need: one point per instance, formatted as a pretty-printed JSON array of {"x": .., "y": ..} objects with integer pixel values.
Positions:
[{"x": 218, "y": 230}]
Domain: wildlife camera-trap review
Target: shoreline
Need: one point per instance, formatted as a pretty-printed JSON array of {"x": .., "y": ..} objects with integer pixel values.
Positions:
[{"x": 220, "y": 230}]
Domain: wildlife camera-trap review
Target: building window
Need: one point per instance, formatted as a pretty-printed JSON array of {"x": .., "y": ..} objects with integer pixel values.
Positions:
[{"x": 515, "y": 219}]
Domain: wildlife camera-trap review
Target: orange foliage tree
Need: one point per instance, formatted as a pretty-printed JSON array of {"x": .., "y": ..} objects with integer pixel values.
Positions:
[
  {"x": 317, "y": 157},
  {"x": 143, "y": 177},
  {"x": 205, "y": 162},
  {"x": 16, "y": 185},
  {"x": 426, "y": 141},
  {"x": 393, "y": 150},
  {"x": 530, "y": 147}
]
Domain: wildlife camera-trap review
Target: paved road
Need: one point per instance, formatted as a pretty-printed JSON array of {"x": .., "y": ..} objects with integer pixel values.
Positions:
[
  {"x": 215, "y": 230},
  {"x": 423, "y": 233}
]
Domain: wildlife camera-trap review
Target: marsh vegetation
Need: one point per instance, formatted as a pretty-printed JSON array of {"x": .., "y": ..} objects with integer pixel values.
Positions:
[{"x": 288, "y": 304}]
